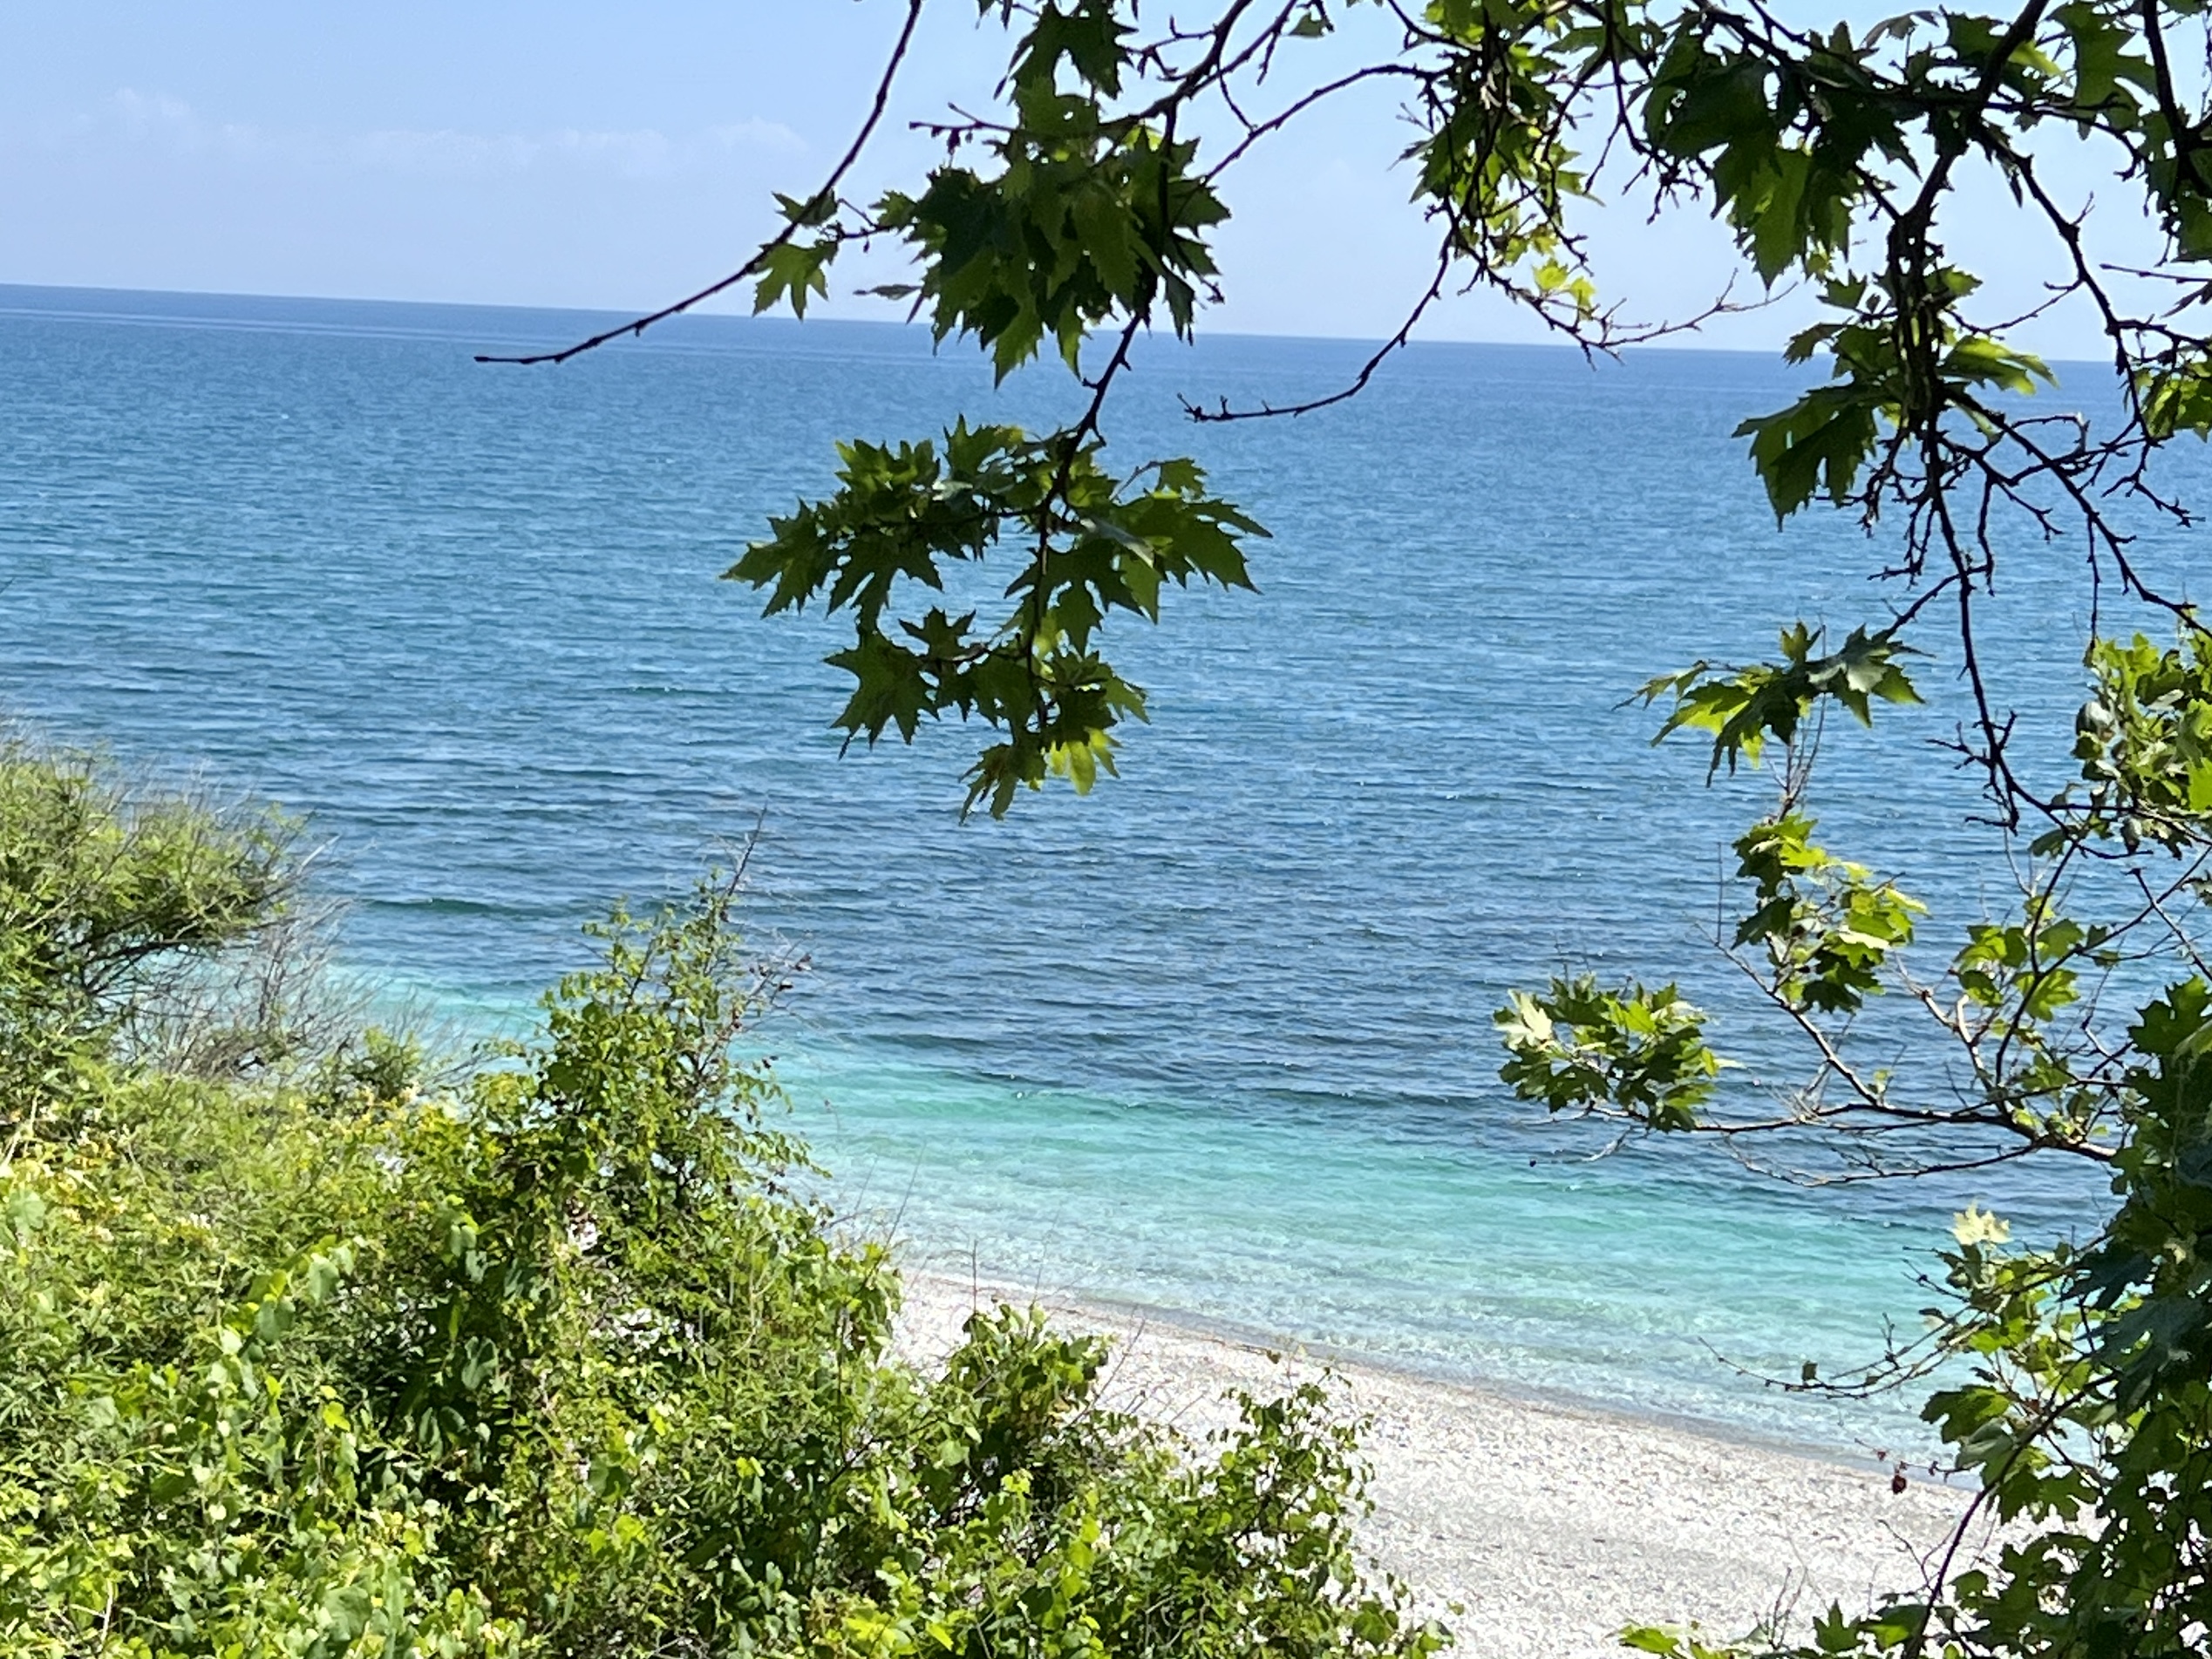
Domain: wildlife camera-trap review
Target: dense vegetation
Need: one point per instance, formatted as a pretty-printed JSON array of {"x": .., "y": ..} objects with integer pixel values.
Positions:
[
  {"x": 303, "y": 1353},
  {"x": 1075, "y": 208}
]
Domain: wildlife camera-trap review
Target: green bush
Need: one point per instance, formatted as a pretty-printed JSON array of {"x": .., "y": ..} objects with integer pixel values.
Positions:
[
  {"x": 556, "y": 1361},
  {"x": 129, "y": 919}
]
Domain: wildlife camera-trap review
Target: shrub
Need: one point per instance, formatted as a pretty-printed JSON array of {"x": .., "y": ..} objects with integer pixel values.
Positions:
[
  {"x": 129, "y": 917},
  {"x": 557, "y": 1362}
]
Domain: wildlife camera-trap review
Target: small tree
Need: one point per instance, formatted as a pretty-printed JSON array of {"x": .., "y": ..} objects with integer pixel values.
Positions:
[
  {"x": 1074, "y": 214},
  {"x": 134, "y": 918}
]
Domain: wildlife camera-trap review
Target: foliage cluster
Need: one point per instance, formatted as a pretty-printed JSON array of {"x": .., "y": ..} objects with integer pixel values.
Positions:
[
  {"x": 2079, "y": 1381},
  {"x": 1077, "y": 202},
  {"x": 156, "y": 923},
  {"x": 322, "y": 1362}
]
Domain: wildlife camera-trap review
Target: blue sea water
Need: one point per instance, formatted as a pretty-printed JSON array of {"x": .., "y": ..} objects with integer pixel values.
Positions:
[{"x": 1214, "y": 1042}]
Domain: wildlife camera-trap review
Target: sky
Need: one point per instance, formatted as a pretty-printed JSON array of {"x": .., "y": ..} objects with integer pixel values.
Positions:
[{"x": 560, "y": 154}]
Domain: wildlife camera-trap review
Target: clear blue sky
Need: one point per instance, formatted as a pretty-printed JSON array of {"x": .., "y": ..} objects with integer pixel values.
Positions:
[{"x": 559, "y": 154}]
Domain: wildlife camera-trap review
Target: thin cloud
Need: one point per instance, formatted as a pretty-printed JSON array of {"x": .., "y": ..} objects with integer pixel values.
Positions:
[{"x": 172, "y": 125}]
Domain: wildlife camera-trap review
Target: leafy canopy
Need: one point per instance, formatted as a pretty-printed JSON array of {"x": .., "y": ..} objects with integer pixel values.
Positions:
[{"x": 1076, "y": 202}]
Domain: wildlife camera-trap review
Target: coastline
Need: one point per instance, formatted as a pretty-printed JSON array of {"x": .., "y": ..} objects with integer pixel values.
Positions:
[{"x": 1551, "y": 1524}]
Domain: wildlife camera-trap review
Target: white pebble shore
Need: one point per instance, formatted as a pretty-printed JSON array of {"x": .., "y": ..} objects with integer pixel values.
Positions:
[{"x": 1552, "y": 1525}]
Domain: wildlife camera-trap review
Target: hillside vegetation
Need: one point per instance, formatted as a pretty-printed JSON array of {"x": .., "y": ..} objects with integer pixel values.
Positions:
[{"x": 301, "y": 1353}]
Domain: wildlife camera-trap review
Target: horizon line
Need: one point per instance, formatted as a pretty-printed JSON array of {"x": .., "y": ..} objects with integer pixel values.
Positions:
[
  {"x": 600, "y": 312},
  {"x": 1686, "y": 344}
]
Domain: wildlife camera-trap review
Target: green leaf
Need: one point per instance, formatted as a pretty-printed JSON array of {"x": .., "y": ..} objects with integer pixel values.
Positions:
[
  {"x": 1745, "y": 708},
  {"x": 792, "y": 273}
]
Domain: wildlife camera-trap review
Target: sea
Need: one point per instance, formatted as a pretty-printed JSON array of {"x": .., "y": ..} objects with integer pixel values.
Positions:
[{"x": 1214, "y": 1043}]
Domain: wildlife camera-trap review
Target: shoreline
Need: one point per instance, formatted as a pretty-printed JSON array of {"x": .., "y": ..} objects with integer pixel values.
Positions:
[
  {"x": 1548, "y": 1524},
  {"x": 1124, "y": 1314}
]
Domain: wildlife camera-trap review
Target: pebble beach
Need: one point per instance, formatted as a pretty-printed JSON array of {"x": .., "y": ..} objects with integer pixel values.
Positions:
[{"x": 1533, "y": 1526}]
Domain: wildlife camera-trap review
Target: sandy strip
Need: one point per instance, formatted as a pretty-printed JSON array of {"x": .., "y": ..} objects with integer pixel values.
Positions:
[{"x": 1552, "y": 1525}]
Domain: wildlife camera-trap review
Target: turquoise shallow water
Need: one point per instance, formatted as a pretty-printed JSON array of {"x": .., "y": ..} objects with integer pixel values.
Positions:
[{"x": 1215, "y": 1041}]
